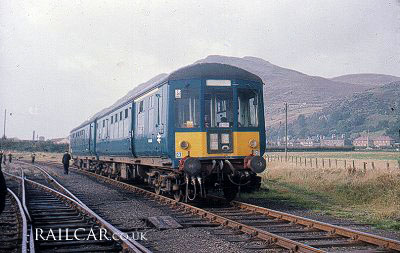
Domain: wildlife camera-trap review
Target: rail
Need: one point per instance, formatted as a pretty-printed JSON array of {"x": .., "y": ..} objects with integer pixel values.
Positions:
[
  {"x": 333, "y": 229},
  {"x": 354, "y": 235},
  {"x": 270, "y": 238},
  {"x": 128, "y": 243},
  {"x": 24, "y": 243}
]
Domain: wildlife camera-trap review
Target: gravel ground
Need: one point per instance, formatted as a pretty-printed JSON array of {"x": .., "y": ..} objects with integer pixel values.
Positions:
[{"x": 133, "y": 211}]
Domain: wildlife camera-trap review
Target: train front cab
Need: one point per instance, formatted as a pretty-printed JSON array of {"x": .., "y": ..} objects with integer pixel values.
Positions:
[{"x": 219, "y": 125}]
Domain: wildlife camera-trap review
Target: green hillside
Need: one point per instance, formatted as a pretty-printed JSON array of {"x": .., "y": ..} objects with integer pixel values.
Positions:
[{"x": 376, "y": 110}]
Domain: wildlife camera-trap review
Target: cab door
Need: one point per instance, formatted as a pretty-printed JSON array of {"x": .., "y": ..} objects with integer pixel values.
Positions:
[{"x": 160, "y": 122}]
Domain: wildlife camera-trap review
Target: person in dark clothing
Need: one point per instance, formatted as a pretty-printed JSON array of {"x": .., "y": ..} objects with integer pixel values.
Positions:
[
  {"x": 33, "y": 157},
  {"x": 9, "y": 157},
  {"x": 1, "y": 157},
  {"x": 4, "y": 158},
  {"x": 65, "y": 161},
  {"x": 3, "y": 191}
]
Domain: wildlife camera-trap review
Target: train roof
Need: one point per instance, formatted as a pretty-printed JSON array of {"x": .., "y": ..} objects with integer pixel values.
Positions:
[{"x": 193, "y": 71}]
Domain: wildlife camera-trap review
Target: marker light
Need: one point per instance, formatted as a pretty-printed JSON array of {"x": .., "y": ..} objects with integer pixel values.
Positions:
[{"x": 184, "y": 145}]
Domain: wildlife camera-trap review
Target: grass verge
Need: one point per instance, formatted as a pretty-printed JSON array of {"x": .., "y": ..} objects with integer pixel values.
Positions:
[{"x": 371, "y": 197}]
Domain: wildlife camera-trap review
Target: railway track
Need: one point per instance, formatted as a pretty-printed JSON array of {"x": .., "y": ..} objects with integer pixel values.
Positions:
[
  {"x": 13, "y": 226},
  {"x": 62, "y": 223},
  {"x": 273, "y": 228}
]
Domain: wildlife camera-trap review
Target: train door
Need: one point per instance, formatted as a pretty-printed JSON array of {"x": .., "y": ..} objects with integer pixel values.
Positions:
[
  {"x": 139, "y": 136},
  {"x": 157, "y": 123},
  {"x": 92, "y": 137},
  {"x": 146, "y": 126},
  {"x": 160, "y": 122},
  {"x": 132, "y": 128},
  {"x": 152, "y": 125}
]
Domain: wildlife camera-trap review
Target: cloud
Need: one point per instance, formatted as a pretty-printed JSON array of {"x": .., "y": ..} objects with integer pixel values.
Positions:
[
  {"x": 77, "y": 63},
  {"x": 33, "y": 110},
  {"x": 76, "y": 57}
]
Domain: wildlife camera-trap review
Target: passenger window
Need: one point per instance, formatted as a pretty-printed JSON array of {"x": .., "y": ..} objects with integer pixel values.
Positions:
[
  {"x": 187, "y": 107},
  {"x": 141, "y": 106},
  {"x": 151, "y": 102},
  {"x": 116, "y": 117},
  {"x": 151, "y": 120},
  {"x": 158, "y": 109},
  {"x": 126, "y": 113},
  {"x": 120, "y": 115},
  {"x": 112, "y": 119},
  {"x": 247, "y": 108},
  {"x": 218, "y": 108}
]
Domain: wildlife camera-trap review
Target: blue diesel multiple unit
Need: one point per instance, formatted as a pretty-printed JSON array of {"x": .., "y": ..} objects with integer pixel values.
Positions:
[{"x": 198, "y": 128}]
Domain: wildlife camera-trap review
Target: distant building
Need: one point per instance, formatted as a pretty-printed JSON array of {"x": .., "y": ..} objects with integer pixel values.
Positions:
[
  {"x": 306, "y": 142},
  {"x": 378, "y": 141},
  {"x": 327, "y": 142},
  {"x": 41, "y": 138},
  {"x": 383, "y": 141},
  {"x": 60, "y": 141},
  {"x": 362, "y": 141}
]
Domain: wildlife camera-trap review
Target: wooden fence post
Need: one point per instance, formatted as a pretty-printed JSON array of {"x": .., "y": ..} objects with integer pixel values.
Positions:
[
  {"x": 365, "y": 167},
  {"x": 305, "y": 162},
  {"x": 296, "y": 160},
  {"x": 336, "y": 163},
  {"x": 387, "y": 165},
  {"x": 329, "y": 162},
  {"x": 354, "y": 165},
  {"x": 316, "y": 163},
  {"x": 345, "y": 165},
  {"x": 373, "y": 165}
]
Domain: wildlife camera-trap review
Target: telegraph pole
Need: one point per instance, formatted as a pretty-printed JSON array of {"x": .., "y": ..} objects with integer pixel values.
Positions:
[
  {"x": 5, "y": 120},
  {"x": 286, "y": 130}
]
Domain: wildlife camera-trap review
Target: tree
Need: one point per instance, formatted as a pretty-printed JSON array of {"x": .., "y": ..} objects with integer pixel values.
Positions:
[{"x": 302, "y": 121}]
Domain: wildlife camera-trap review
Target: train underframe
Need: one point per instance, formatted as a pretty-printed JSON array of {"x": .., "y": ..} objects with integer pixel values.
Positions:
[{"x": 192, "y": 180}]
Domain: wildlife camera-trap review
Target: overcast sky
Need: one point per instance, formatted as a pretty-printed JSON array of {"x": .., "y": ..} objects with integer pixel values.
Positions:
[{"x": 62, "y": 61}]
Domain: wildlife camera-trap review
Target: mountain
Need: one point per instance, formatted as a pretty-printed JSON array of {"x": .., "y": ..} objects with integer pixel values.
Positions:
[
  {"x": 375, "y": 110},
  {"x": 305, "y": 94},
  {"x": 368, "y": 79}
]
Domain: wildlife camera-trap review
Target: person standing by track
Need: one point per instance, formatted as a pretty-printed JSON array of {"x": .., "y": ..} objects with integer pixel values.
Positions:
[
  {"x": 1, "y": 157},
  {"x": 9, "y": 157},
  {"x": 4, "y": 158},
  {"x": 65, "y": 161},
  {"x": 33, "y": 156}
]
